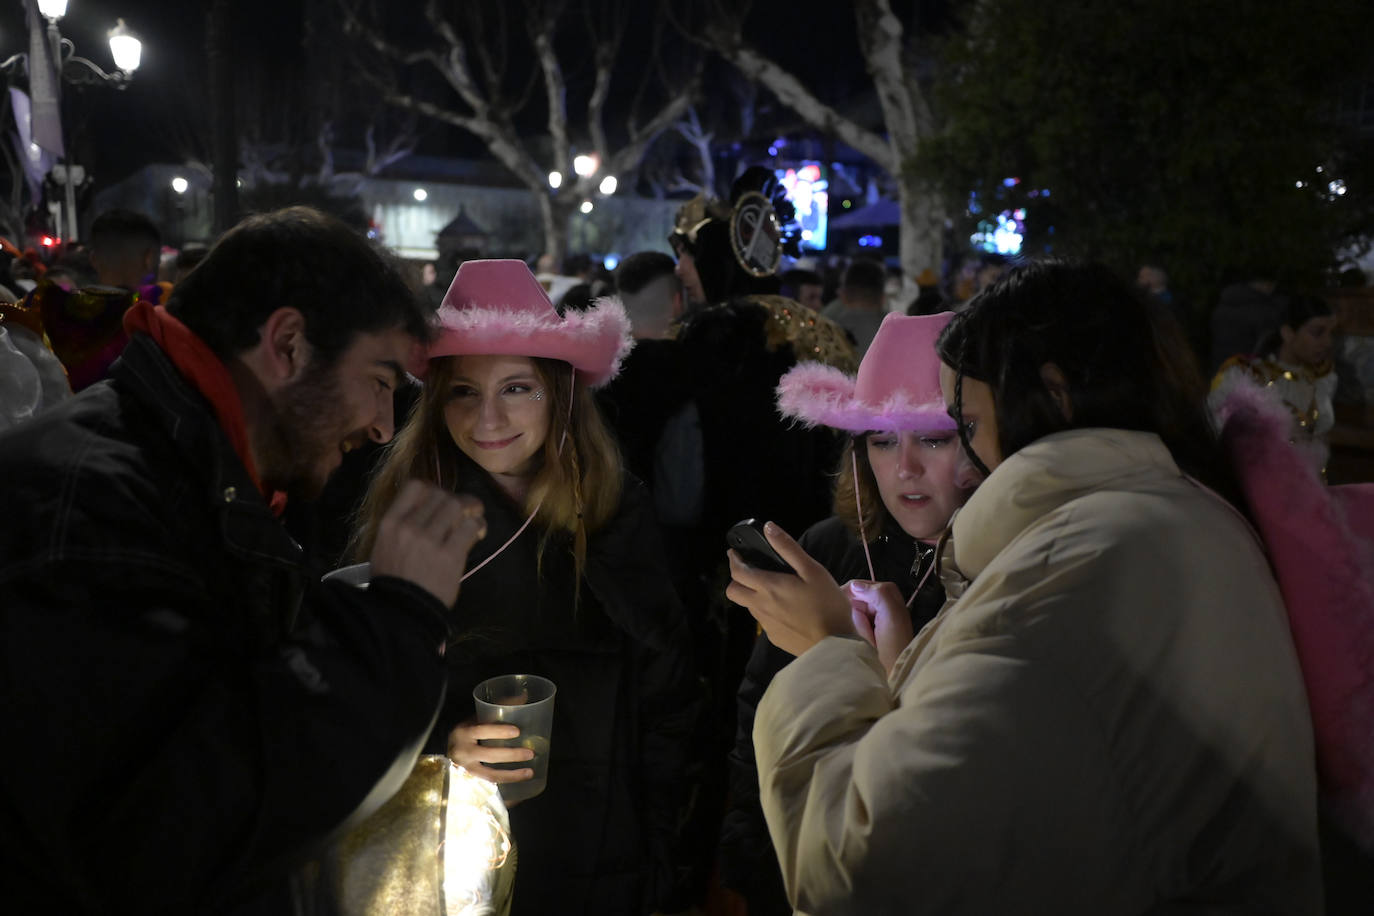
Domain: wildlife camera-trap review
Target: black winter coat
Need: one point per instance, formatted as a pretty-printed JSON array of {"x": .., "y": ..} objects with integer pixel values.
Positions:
[
  {"x": 603, "y": 837},
  {"x": 185, "y": 718},
  {"x": 748, "y": 862}
]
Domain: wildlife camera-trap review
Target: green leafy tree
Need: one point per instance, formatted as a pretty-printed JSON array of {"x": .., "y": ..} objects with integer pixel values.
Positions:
[{"x": 1197, "y": 133}]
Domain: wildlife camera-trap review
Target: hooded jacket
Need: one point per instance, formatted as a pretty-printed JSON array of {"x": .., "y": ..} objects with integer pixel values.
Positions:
[
  {"x": 1109, "y": 719},
  {"x": 186, "y": 716}
]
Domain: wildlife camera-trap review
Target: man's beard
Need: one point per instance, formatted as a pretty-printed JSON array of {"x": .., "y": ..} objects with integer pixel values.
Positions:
[{"x": 307, "y": 426}]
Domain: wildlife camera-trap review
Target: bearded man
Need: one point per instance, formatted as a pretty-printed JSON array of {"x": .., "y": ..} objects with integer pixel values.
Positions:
[{"x": 187, "y": 716}]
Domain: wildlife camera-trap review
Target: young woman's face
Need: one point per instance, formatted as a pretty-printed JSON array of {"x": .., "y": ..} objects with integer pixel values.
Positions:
[
  {"x": 1309, "y": 345},
  {"x": 980, "y": 416},
  {"x": 498, "y": 413},
  {"x": 915, "y": 474}
]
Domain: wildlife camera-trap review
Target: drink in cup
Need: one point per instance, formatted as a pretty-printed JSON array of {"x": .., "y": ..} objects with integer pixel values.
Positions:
[{"x": 525, "y": 701}]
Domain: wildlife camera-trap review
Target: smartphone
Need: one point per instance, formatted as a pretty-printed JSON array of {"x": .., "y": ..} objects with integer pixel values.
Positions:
[{"x": 753, "y": 548}]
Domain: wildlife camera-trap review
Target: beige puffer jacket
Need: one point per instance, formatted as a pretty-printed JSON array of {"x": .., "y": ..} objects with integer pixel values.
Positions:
[{"x": 1109, "y": 720}]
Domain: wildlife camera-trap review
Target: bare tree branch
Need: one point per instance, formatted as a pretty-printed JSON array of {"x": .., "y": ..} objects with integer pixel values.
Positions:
[
  {"x": 500, "y": 139},
  {"x": 354, "y": 26},
  {"x": 400, "y": 145},
  {"x": 811, "y": 109},
  {"x": 881, "y": 40},
  {"x": 493, "y": 67},
  {"x": 628, "y": 156},
  {"x": 690, "y": 129},
  {"x": 555, "y": 89},
  {"x": 453, "y": 65},
  {"x": 484, "y": 109},
  {"x": 606, "y": 34}
]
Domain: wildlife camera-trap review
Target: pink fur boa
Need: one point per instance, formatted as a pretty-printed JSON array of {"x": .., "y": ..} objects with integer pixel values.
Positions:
[{"x": 1324, "y": 562}]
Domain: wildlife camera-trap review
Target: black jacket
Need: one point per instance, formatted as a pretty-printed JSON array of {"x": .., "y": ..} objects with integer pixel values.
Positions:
[
  {"x": 603, "y": 837},
  {"x": 185, "y": 718},
  {"x": 748, "y": 862}
]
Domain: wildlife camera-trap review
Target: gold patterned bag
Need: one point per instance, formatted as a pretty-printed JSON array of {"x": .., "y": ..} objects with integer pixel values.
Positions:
[{"x": 441, "y": 845}]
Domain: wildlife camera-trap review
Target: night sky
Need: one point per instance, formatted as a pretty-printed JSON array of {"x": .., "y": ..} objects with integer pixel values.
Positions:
[{"x": 160, "y": 116}]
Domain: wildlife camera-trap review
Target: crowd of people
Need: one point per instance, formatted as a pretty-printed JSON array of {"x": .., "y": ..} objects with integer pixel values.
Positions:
[{"x": 1032, "y": 650}]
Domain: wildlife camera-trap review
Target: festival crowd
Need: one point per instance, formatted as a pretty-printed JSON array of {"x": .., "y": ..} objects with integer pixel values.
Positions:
[{"x": 971, "y": 595}]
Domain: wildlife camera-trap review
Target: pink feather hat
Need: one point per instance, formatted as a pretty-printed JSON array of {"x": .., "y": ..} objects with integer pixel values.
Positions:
[
  {"x": 897, "y": 388},
  {"x": 498, "y": 308}
]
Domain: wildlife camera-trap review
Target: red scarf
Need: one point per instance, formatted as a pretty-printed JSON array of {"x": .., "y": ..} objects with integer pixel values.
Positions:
[{"x": 199, "y": 365}]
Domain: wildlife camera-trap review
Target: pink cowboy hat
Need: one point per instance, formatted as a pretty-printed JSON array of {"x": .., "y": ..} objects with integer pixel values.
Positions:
[
  {"x": 498, "y": 308},
  {"x": 897, "y": 388}
]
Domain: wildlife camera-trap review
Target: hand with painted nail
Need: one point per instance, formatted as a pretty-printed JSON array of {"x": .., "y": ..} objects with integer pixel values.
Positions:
[
  {"x": 881, "y": 617},
  {"x": 796, "y": 611}
]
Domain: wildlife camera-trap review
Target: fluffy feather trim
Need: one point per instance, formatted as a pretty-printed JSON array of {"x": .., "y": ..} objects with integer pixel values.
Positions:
[
  {"x": 595, "y": 341},
  {"x": 1325, "y": 571},
  {"x": 820, "y": 395}
]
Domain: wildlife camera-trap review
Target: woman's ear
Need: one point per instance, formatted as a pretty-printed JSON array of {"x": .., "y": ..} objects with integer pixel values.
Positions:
[{"x": 1058, "y": 387}]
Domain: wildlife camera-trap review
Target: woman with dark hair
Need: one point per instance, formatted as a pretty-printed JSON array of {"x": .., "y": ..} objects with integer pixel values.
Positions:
[
  {"x": 570, "y": 584},
  {"x": 1297, "y": 369},
  {"x": 1108, "y": 717}
]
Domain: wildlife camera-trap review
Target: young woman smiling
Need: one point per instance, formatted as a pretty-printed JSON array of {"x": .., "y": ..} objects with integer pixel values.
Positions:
[{"x": 580, "y": 598}]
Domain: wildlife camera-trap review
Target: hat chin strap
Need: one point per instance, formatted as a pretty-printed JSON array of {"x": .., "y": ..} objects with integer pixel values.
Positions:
[
  {"x": 863, "y": 537},
  {"x": 572, "y": 390},
  {"x": 859, "y": 507}
]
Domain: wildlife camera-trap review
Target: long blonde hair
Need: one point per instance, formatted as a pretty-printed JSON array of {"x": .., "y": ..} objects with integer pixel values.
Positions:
[
  {"x": 576, "y": 489},
  {"x": 845, "y": 506}
]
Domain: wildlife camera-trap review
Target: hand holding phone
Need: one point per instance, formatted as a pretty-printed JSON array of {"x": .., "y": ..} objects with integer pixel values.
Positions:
[
  {"x": 746, "y": 539},
  {"x": 797, "y": 609}
]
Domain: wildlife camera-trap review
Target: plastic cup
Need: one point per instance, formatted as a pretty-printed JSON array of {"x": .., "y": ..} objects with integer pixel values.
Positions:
[
  {"x": 525, "y": 701},
  {"x": 358, "y": 575}
]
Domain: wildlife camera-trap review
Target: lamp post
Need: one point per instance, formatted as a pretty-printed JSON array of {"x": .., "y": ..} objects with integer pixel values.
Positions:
[{"x": 56, "y": 61}]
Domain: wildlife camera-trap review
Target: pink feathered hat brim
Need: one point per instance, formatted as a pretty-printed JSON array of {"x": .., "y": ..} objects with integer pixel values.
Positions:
[
  {"x": 595, "y": 342},
  {"x": 819, "y": 395}
]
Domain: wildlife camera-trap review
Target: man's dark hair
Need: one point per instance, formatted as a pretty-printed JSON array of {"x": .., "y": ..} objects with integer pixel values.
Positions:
[
  {"x": 867, "y": 279},
  {"x": 642, "y": 268},
  {"x": 116, "y": 227},
  {"x": 1124, "y": 370},
  {"x": 305, "y": 259}
]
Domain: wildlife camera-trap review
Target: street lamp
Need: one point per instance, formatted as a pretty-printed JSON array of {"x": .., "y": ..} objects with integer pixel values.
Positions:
[
  {"x": 555, "y": 180},
  {"x": 586, "y": 164},
  {"x": 180, "y": 185},
  {"x": 608, "y": 185},
  {"x": 52, "y": 59},
  {"x": 126, "y": 49}
]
